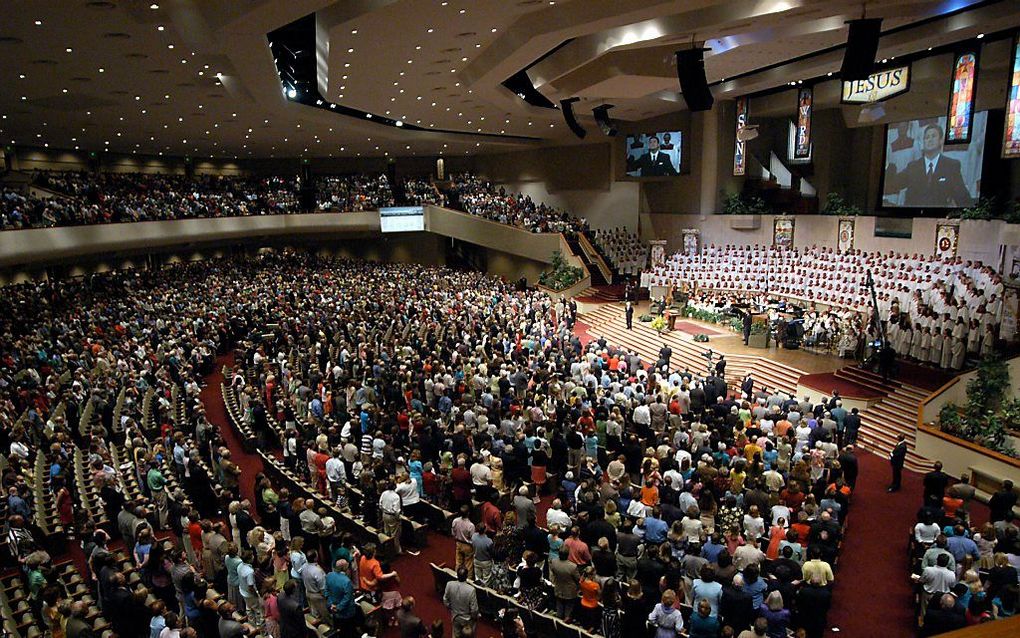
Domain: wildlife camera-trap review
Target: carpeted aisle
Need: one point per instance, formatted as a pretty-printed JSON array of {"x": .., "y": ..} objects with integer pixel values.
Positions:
[
  {"x": 872, "y": 594},
  {"x": 415, "y": 576}
]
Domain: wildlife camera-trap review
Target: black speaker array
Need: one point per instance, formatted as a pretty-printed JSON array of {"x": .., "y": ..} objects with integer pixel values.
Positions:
[
  {"x": 690, "y": 70},
  {"x": 601, "y": 114},
  {"x": 861, "y": 47},
  {"x": 567, "y": 106}
]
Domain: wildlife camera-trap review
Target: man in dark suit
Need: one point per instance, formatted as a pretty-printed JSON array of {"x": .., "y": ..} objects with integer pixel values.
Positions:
[
  {"x": 931, "y": 180},
  {"x": 720, "y": 366},
  {"x": 896, "y": 459},
  {"x": 292, "y": 614},
  {"x": 630, "y": 316},
  {"x": 664, "y": 355},
  {"x": 848, "y": 462},
  {"x": 935, "y": 483},
  {"x": 1002, "y": 502},
  {"x": 655, "y": 162}
]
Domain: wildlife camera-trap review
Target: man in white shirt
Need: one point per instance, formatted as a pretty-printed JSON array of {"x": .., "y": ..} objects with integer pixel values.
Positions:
[
  {"x": 557, "y": 516},
  {"x": 481, "y": 474},
  {"x": 336, "y": 473},
  {"x": 390, "y": 506}
]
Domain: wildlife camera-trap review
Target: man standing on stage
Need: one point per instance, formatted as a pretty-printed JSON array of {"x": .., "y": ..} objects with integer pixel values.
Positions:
[{"x": 630, "y": 316}]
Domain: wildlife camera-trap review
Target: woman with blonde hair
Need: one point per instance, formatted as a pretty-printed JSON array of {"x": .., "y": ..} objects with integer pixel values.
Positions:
[
  {"x": 778, "y": 617},
  {"x": 665, "y": 618}
]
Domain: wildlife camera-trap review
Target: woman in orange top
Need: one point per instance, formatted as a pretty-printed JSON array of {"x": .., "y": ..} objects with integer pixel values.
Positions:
[
  {"x": 776, "y": 535},
  {"x": 649, "y": 494},
  {"x": 590, "y": 591}
]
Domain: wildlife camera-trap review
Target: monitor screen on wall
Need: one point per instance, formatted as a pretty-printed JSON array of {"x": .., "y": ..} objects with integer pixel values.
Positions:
[
  {"x": 402, "y": 219},
  {"x": 653, "y": 154},
  {"x": 921, "y": 172}
]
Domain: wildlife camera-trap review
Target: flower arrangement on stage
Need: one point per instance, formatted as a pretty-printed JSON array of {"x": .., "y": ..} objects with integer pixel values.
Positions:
[{"x": 659, "y": 323}]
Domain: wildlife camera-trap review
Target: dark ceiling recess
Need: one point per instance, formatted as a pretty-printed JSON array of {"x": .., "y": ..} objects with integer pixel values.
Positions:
[
  {"x": 293, "y": 48},
  {"x": 521, "y": 84}
]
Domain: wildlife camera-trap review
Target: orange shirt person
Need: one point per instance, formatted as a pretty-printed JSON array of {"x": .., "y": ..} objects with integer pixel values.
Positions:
[{"x": 370, "y": 573}]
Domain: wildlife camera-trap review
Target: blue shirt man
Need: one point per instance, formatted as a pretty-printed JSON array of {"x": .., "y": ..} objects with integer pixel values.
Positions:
[
  {"x": 655, "y": 530},
  {"x": 960, "y": 546},
  {"x": 340, "y": 591}
]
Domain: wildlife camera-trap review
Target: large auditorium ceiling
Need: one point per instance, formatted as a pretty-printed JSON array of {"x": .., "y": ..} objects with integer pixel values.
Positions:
[{"x": 197, "y": 77}]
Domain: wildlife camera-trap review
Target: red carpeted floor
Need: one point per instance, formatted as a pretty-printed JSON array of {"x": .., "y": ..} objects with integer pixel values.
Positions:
[
  {"x": 695, "y": 329},
  {"x": 826, "y": 382},
  {"x": 925, "y": 377},
  {"x": 873, "y": 595}
]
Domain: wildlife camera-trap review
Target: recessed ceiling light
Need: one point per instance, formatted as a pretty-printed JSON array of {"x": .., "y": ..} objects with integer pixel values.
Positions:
[
  {"x": 463, "y": 10},
  {"x": 354, "y": 32},
  {"x": 38, "y": 23},
  {"x": 69, "y": 49},
  {"x": 493, "y": 29},
  {"x": 170, "y": 46},
  {"x": 351, "y": 50},
  {"x": 980, "y": 35},
  {"x": 21, "y": 76},
  {"x": 160, "y": 28},
  {"x": 102, "y": 70},
  {"x": 153, "y": 6},
  {"x": 429, "y": 30}
]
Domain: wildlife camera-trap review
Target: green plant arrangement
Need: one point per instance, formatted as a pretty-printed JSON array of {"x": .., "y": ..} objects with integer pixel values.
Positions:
[
  {"x": 984, "y": 208},
  {"x": 835, "y": 204},
  {"x": 758, "y": 328},
  {"x": 701, "y": 338},
  {"x": 645, "y": 318},
  {"x": 561, "y": 275},
  {"x": 738, "y": 204},
  {"x": 987, "y": 417}
]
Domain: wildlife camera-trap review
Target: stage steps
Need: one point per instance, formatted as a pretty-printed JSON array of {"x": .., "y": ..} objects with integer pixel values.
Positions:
[
  {"x": 603, "y": 294},
  {"x": 607, "y": 321},
  {"x": 894, "y": 415}
]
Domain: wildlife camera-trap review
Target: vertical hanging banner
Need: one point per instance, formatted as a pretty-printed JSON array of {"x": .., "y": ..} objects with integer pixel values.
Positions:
[
  {"x": 805, "y": 101},
  {"x": 845, "y": 234},
  {"x": 657, "y": 253},
  {"x": 739, "y": 156},
  {"x": 961, "y": 98},
  {"x": 947, "y": 236},
  {"x": 782, "y": 232},
  {"x": 691, "y": 241},
  {"x": 1011, "y": 128}
]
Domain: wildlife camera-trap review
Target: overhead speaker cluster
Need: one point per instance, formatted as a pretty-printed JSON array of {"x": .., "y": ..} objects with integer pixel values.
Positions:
[
  {"x": 861, "y": 48},
  {"x": 690, "y": 70},
  {"x": 601, "y": 114},
  {"x": 567, "y": 106}
]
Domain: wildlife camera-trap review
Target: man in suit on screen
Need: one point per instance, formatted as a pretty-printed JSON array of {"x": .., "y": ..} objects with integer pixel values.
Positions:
[
  {"x": 655, "y": 162},
  {"x": 931, "y": 180}
]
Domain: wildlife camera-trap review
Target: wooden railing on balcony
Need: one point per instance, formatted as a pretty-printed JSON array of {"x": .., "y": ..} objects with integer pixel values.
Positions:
[{"x": 595, "y": 257}]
